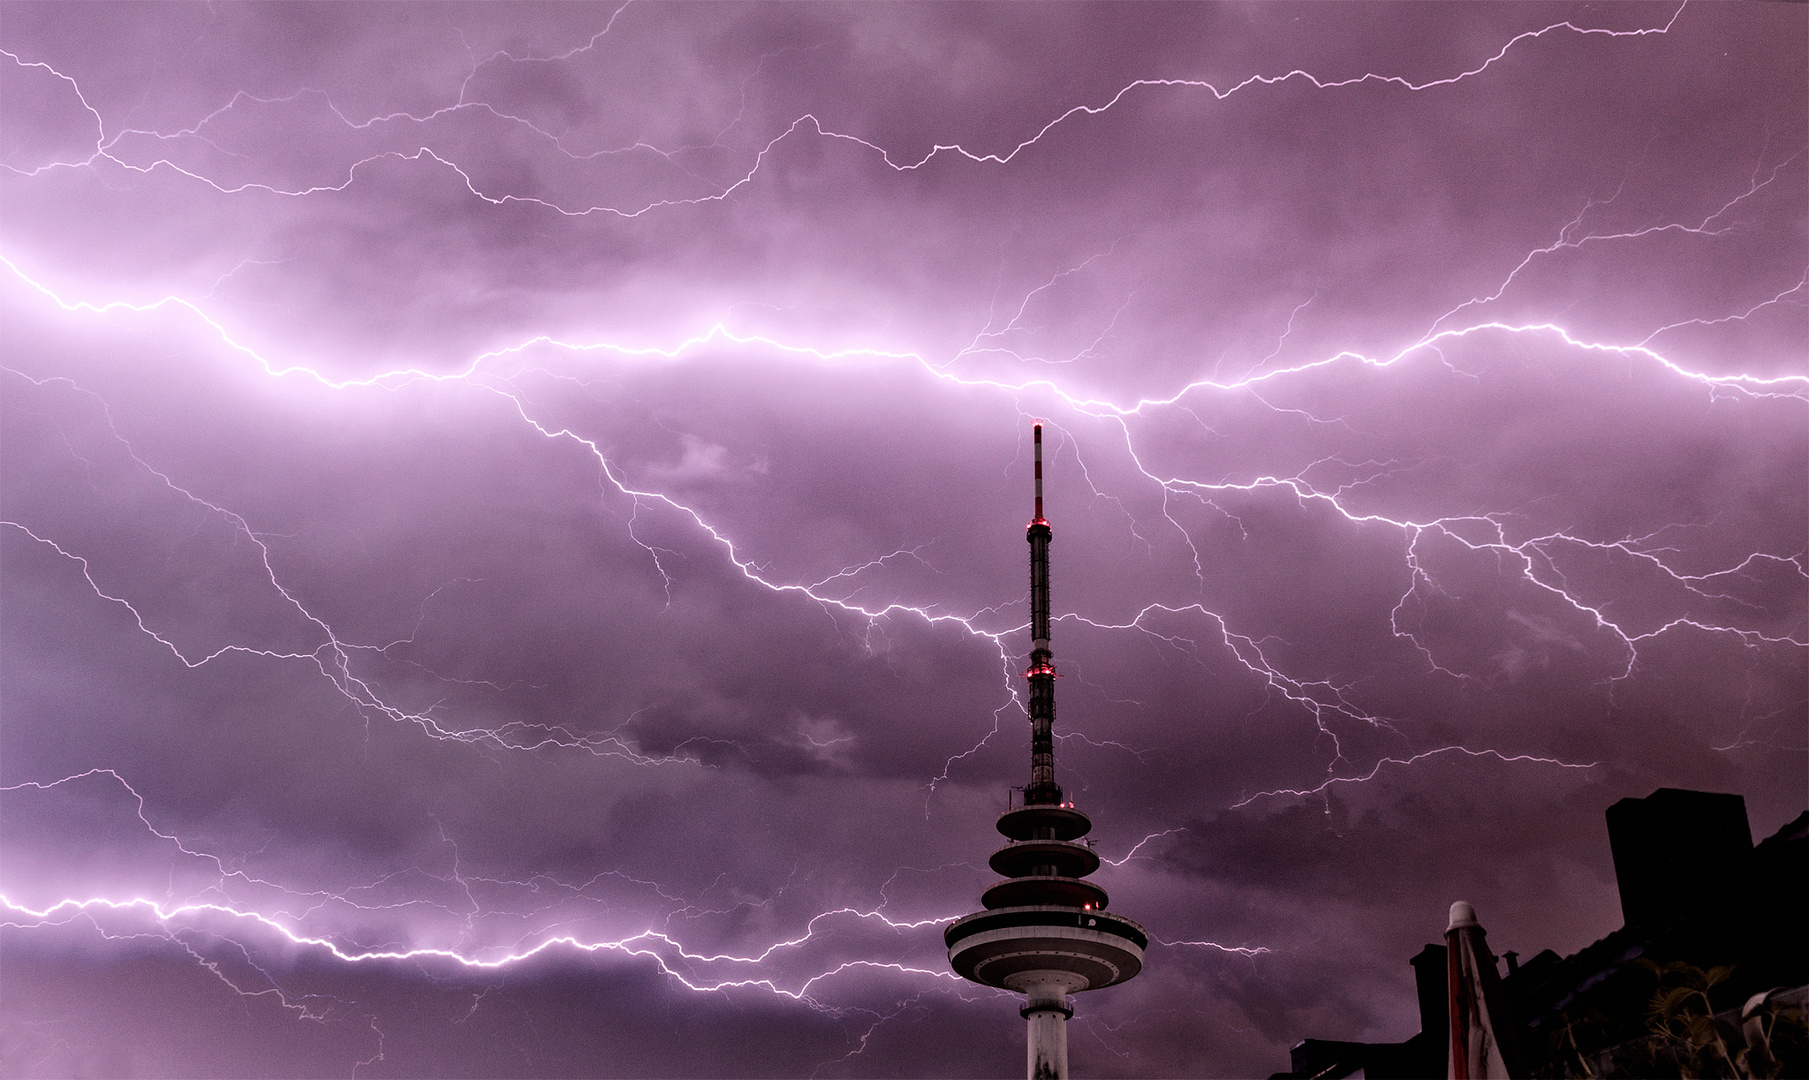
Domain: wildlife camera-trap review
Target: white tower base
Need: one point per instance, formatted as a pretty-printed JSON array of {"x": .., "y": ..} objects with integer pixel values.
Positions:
[
  {"x": 1048, "y": 1057},
  {"x": 1046, "y": 1015}
]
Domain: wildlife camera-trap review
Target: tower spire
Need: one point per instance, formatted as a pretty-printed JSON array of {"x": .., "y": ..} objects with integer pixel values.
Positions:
[
  {"x": 1037, "y": 431},
  {"x": 1042, "y": 790}
]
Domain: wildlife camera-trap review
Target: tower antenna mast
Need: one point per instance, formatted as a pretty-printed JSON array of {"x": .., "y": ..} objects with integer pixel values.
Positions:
[{"x": 1043, "y": 789}]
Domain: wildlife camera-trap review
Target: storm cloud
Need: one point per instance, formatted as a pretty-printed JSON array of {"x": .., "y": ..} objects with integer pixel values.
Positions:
[{"x": 512, "y": 514}]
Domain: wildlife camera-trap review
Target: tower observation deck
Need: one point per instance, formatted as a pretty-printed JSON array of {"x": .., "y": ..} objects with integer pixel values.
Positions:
[{"x": 1045, "y": 932}]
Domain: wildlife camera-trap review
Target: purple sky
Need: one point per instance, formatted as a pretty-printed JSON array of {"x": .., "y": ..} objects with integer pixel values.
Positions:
[{"x": 513, "y": 553}]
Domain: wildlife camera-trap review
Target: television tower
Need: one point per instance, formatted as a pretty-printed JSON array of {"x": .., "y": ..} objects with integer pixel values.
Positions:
[{"x": 1045, "y": 932}]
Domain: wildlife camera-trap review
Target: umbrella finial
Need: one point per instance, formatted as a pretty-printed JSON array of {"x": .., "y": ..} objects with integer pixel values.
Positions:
[{"x": 1462, "y": 914}]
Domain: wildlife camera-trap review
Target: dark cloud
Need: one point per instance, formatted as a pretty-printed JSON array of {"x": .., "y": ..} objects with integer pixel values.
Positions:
[{"x": 492, "y": 480}]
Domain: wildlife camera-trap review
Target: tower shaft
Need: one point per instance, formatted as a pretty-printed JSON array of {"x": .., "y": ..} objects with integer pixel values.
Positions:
[
  {"x": 1046, "y": 1014},
  {"x": 1043, "y": 789}
]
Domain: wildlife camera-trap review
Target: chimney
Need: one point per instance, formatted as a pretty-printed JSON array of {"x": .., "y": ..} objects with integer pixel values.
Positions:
[{"x": 1677, "y": 853}]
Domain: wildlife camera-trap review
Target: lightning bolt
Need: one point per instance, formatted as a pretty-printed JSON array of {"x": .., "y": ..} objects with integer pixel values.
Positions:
[{"x": 106, "y": 148}]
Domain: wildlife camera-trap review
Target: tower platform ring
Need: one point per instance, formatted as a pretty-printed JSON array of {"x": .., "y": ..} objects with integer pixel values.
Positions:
[
  {"x": 1070, "y": 859},
  {"x": 1043, "y": 890},
  {"x": 1100, "y": 948},
  {"x": 1059, "y": 821}
]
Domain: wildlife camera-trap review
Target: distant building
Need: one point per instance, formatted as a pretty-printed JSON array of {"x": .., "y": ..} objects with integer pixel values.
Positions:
[{"x": 1695, "y": 894}]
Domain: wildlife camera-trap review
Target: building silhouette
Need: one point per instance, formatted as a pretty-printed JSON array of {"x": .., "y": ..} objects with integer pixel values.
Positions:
[{"x": 1696, "y": 896}]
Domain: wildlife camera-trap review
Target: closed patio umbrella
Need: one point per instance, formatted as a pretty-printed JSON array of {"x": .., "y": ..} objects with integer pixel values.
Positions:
[{"x": 1479, "y": 1019}]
